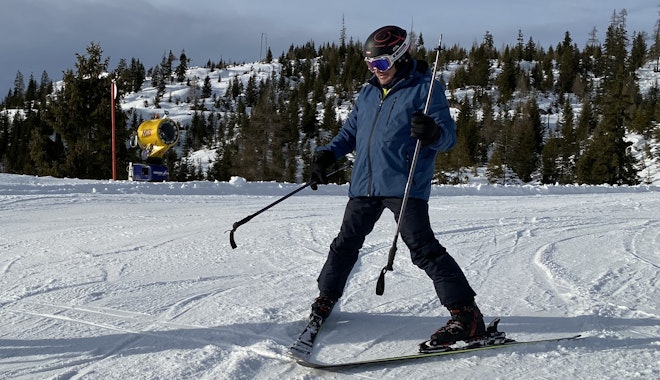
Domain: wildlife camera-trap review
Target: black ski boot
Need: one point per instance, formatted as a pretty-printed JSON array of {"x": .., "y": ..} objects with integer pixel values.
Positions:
[
  {"x": 466, "y": 324},
  {"x": 322, "y": 306}
]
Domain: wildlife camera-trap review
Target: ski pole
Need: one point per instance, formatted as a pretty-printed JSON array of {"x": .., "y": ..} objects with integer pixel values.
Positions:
[
  {"x": 380, "y": 284},
  {"x": 241, "y": 222}
]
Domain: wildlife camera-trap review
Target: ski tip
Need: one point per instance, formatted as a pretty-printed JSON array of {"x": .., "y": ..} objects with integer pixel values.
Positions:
[{"x": 308, "y": 364}]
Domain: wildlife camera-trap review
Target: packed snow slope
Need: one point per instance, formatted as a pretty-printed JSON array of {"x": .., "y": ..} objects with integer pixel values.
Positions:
[{"x": 126, "y": 280}]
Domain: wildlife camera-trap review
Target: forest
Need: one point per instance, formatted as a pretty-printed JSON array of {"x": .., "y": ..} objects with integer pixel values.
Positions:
[{"x": 266, "y": 129}]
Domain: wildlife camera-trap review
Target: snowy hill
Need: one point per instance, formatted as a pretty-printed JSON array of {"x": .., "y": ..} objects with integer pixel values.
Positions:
[
  {"x": 125, "y": 280},
  {"x": 175, "y": 104},
  {"x": 174, "y": 101}
]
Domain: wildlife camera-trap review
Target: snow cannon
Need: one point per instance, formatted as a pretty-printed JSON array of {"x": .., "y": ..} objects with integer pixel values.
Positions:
[{"x": 155, "y": 137}]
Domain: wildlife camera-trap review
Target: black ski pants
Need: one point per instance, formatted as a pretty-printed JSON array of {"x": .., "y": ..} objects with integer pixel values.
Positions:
[{"x": 360, "y": 216}]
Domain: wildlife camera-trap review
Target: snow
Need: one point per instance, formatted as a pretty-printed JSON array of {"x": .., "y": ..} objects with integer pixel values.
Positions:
[
  {"x": 175, "y": 102},
  {"x": 128, "y": 280}
]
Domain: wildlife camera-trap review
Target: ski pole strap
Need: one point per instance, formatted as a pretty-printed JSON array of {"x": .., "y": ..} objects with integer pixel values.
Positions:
[{"x": 380, "y": 284}]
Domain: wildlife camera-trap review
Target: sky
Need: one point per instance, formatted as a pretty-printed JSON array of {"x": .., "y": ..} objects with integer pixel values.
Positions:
[{"x": 46, "y": 35}]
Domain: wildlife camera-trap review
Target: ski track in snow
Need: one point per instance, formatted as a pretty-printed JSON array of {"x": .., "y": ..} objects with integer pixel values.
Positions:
[{"x": 125, "y": 280}]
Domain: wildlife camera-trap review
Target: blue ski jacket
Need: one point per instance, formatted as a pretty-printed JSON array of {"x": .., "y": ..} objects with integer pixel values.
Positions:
[{"x": 378, "y": 130}]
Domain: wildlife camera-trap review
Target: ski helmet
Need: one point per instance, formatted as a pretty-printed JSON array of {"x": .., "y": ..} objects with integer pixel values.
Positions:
[{"x": 388, "y": 40}]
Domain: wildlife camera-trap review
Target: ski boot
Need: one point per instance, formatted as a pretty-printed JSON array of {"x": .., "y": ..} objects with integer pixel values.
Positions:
[
  {"x": 322, "y": 307},
  {"x": 466, "y": 324}
]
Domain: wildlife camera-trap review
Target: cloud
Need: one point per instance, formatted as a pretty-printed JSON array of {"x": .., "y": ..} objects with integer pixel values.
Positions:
[{"x": 43, "y": 35}]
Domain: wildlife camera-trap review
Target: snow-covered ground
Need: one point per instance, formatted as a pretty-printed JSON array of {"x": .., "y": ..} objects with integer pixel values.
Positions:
[{"x": 126, "y": 280}]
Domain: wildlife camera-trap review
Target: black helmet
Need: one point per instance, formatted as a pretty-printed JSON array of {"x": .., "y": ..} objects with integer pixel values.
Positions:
[{"x": 388, "y": 40}]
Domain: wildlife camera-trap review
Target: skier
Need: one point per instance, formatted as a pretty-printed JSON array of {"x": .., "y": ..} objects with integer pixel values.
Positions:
[{"x": 383, "y": 129}]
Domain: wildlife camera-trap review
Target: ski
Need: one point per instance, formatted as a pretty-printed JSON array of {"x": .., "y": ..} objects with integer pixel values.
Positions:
[
  {"x": 419, "y": 356},
  {"x": 302, "y": 348}
]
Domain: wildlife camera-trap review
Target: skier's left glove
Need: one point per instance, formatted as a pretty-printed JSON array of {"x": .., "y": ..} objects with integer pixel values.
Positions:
[
  {"x": 320, "y": 163},
  {"x": 424, "y": 128}
]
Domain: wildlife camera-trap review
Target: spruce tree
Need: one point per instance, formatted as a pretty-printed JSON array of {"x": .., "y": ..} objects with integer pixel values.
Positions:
[
  {"x": 80, "y": 113},
  {"x": 638, "y": 51},
  {"x": 207, "y": 90},
  {"x": 466, "y": 153},
  {"x": 568, "y": 64},
  {"x": 522, "y": 153},
  {"x": 479, "y": 69},
  {"x": 508, "y": 78},
  {"x": 45, "y": 87},
  {"x": 550, "y": 173},
  {"x": 180, "y": 70},
  {"x": 569, "y": 148},
  {"x": 607, "y": 159},
  {"x": 4, "y": 141}
]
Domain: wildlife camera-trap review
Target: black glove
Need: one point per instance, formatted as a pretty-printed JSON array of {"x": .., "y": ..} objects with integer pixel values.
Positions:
[
  {"x": 424, "y": 128},
  {"x": 321, "y": 161}
]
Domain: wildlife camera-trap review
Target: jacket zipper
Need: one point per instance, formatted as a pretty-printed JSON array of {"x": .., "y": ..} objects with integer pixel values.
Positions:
[{"x": 371, "y": 133}]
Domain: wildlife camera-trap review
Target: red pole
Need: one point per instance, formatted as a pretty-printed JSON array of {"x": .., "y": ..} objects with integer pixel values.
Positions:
[{"x": 113, "y": 90}]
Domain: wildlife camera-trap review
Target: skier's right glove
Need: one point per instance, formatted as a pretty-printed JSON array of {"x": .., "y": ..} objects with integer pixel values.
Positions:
[
  {"x": 320, "y": 163},
  {"x": 424, "y": 128}
]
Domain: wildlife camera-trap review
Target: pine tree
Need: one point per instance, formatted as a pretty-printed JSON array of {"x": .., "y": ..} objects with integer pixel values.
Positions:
[
  {"x": 17, "y": 97},
  {"x": 17, "y": 150},
  {"x": 568, "y": 64},
  {"x": 638, "y": 51},
  {"x": 655, "y": 47},
  {"x": 586, "y": 123},
  {"x": 508, "y": 78},
  {"x": 166, "y": 67},
  {"x": 569, "y": 148},
  {"x": 4, "y": 141},
  {"x": 498, "y": 164},
  {"x": 522, "y": 153},
  {"x": 329, "y": 122},
  {"x": 550, "y": 173},
  {"x": 80, "y": 114},
  {"x": 530, "y": 50},
  {"x": 206, "y": 88},
  {"x": 466, "y": 153},
  {"x": 251, "y": 91},
  {"x": 479, "y": 69},
  {"x": 198, "y": 135},
  {"x": 31, "y": 93},
  {"x": 607, "y": 158},
  {"x": 643, "y": 116},
  {"x": 45, "y": 87},
  {"x": 180, "y": 70}
]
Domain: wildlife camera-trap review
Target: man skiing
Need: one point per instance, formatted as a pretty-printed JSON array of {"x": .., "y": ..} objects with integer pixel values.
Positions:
[{"x": 383, "y": 128}]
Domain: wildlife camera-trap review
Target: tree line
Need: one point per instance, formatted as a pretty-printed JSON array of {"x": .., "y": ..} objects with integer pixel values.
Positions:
[{"x": 265, "y": 129}]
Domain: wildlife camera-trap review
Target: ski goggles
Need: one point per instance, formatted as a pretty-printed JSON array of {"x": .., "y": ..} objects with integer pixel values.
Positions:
[{"x": 382, "y": 63}]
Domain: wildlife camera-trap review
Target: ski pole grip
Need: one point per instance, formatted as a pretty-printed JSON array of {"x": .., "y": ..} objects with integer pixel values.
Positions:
[
  {"x": 232, "y": 242},
  {"x": 380, "y": 284},
  {"x": 234, "y": 226}
]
